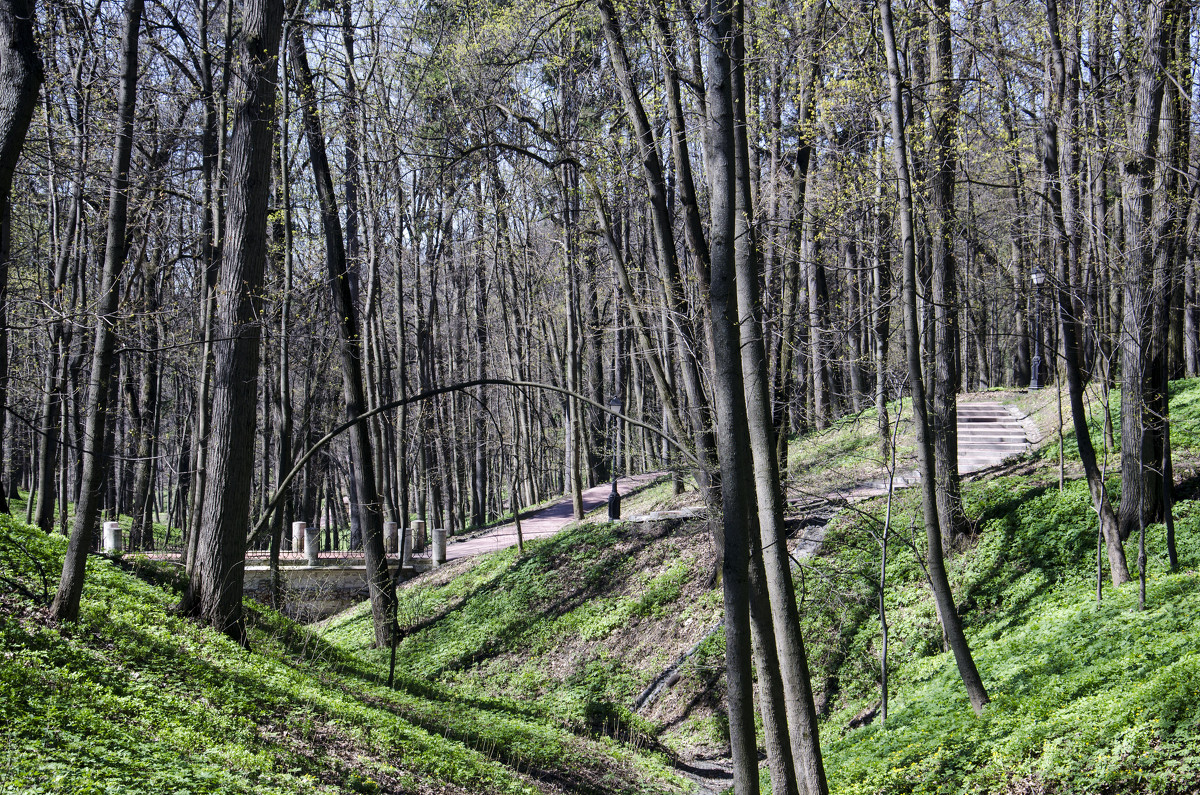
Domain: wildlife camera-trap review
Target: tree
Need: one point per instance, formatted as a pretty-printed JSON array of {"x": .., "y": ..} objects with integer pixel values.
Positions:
[
  {"x": 1140, "y": 483},
  {"x": 946, "y": 382},
  {"x": 792, "y": 660},
  {"x": 365, "y": 497},
  {"x": 733, "y": 444},
  {"x": 87, "y": 508},
  {"x": 1061, "y": 177},
  {"x": 215, "y": 592},
  {"x": 20, "y": 80},
  {"x": 935, "y": 566}
]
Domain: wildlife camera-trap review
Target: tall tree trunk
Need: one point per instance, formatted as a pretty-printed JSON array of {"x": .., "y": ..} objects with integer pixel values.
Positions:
[
  {"x": 1068, "y": 309},
  {"x": 56, "y": 361},
  {"x": 87, "y": 509},
  {"x": 215, "y": 592},
  {"x": 141, "y": 533},
  {"x": 881, "y": 298},
  {"x": 365, "y": 496},
  {"x": 664, "y": 242},
  {"x": 737, "y": 481},
  {"x": 20, "y": 81},
  {"x": 800, "y": 711},
  {"x": 212, "y": 222},
  {"x": 1140, "y": 484},
  {"x": 282, "y": 253},
  {"x": 943, "y": 232},
  {"x": 951, "y": 624}
]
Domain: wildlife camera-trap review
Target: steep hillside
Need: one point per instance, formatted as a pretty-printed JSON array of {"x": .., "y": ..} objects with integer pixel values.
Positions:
[
  {"x": 137, "y": 699},
  {"x": 590, "y": 664},
  {"x": 574, "y": 631},
  {"x": 1086, "y": 697}
]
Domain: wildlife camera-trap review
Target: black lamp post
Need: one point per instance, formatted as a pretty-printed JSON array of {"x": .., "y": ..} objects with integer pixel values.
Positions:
[
  {"x": 1038, "y": 277},
  {"x": 614, "y": 497}
]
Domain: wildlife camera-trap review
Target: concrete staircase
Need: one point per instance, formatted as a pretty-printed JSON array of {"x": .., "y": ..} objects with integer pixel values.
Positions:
[{"x": 988, "y": 433}]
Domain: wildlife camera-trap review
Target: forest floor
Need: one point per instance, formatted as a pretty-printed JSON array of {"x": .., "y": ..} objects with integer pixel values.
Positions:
[
  {"x": 536, "y": 672},
  {"x": 580, "y": 628}
]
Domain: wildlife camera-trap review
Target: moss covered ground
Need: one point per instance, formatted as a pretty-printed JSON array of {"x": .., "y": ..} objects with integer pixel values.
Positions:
[{"x": 1087, "y": 696}]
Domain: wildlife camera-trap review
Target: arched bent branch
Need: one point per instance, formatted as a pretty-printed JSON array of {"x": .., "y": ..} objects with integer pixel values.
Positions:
[{"x": 442, "y": 390}]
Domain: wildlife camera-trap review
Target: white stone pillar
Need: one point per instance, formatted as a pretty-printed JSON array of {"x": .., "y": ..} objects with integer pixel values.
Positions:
[
  {"x": 406, "y": 552},
  {"x": 112, "y": 537},
  {"x": 298, "y": 531},
  {"x": 439, "y": 546},
  {"x": 418, "y": 534},
  {"x": 312, "y": 544},
  {"x": 389, "y": 537}
]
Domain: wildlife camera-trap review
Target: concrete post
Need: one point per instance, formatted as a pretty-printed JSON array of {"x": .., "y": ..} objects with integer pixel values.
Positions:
[
  {"x": 439, "y": 546},
  {"x": 112, "y": 537},
  {"x": 389, "y": 537},
  {"x": 312, "y": 544},
  {"x": 406, "y": 553},
  {"x": 298, "y": 532},
  {"x": 418, "y": 534}
]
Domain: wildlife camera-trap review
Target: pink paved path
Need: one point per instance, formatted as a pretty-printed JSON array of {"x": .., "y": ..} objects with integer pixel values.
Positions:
[{"x": 545, "y": 522}]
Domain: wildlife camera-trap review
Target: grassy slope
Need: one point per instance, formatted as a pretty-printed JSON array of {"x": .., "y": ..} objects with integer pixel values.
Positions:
[
  {"x": 572, "y": 630},
  {"x": 136, "y": 699},
  {"x": 530, "y": 663},
  {"x": 1086, "y": 697}
]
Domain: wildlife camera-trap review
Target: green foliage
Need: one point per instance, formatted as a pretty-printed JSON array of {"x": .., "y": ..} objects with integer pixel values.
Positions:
[
  {"x": 1185, "y": 415},
  {"x": 135, "y": 698},
  {"x": 535, "y": 631},
  {"x": 848, "y": 451},
  {"x": 1085, "y": 697},
  {"x": 1185, "y": 424}
]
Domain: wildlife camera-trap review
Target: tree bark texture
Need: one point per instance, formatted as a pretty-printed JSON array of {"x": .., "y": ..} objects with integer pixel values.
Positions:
[
  {"x": 733, "y": 444},
  {"x": 87, "y": 507},
  {"x": 215, "y": 591},
  {"x": 20, "y": 81},
  {"x": 1137, "y": 178}
]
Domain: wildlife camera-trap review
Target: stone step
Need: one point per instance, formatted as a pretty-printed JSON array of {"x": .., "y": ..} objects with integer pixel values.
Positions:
[
  {"x": 985, "y": 431},
  {"x": 999, "y": 438},
  {"x": 980, "y": 452},
  {"x": 985, "y": 459},
  {"x": 992, "y": 433},
  {"x": 988, "y": 434}
]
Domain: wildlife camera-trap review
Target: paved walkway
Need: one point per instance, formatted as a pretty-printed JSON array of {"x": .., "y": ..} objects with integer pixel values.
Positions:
[
  {"x": 545, "y": 522},
  {"x": 988, "y": 434}
]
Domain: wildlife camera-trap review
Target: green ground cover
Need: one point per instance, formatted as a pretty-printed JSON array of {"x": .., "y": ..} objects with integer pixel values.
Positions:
[
  {"x": 1087, "y": 697},
  {"x": 518, "y": 672},
  {"x": 137, "y": 699},
  {"x": 572, "y": 630}
]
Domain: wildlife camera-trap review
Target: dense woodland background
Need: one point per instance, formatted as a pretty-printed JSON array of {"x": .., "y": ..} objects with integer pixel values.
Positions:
[{"x": 231, "y": 227}]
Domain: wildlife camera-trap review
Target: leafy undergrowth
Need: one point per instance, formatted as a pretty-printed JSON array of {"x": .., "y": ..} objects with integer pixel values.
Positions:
[
  {"x": 133, "y": 698},
  {"x": 1086, "y": 697},
  {"x": 572, "y": 631}
]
